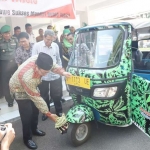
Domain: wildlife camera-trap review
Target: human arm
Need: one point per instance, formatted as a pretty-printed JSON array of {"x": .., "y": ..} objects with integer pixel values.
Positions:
[
  {"x": 37, "y": 39},
  {"x": 30, "y": 88},
  {"x": 60, "y": 51},
  {"x": 58, "y": 59},
  {"x": 17, "y": 43},
  {"x": 35, "y": 49},
  {"x": 59, "y": 70},
  {"x": 9, "y": 137},
  {"x": 18, "y": 56}
]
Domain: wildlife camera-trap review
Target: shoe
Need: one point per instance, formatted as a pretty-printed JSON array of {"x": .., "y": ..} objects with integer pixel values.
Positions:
[
  {"x": 10, "y": 104},
  {"x": 51, "y": 100},
  {"x": 59, "y": 114},
  {"x": 72, "y": 105},
  {"x": 39, "y": 132},
  {"x": 44, "y": 117},
  {"x": 63, "y": 100},
  {"x": 30, "y": 144}
]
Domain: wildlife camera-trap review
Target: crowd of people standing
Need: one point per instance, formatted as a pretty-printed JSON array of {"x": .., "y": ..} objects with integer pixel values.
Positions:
[{"x": 18, "y": 53}]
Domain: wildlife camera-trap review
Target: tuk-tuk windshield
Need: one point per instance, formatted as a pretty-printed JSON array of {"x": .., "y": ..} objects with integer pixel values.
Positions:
[{"x": 97, "y": 49}]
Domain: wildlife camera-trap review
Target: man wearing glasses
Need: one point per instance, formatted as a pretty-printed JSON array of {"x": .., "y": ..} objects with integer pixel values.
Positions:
[
  {"x": 51, "y": 80},
  {"x": 23, "y": 86}
]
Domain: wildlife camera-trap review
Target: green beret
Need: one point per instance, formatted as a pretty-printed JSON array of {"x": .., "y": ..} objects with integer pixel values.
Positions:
[
  {"x": 5, "y": 28},
  {"x": 66, "y": 31}
]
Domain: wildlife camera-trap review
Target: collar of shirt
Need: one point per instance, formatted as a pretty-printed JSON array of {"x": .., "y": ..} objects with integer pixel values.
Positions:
[
  {"x": 6, "y": 41},
  {"x": 15, "y": 35},
  {"x": 43, "y": 44},
  {"x": 35, "y": 74},
  {"x": 30, "y": 34}
]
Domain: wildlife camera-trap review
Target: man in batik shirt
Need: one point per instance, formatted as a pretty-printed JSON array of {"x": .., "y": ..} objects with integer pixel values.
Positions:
[
  {"x": 23, "y": 86},
  {"x": 24, "y": 51}
]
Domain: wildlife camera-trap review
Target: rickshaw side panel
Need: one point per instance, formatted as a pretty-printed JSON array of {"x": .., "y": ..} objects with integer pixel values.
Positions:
[
  {"x": 140, "y": 103},
  {"x": 79, "y": 114}
]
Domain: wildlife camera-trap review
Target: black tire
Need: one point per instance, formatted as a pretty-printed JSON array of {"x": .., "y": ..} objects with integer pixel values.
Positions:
[{"x": 72, "y": 130}]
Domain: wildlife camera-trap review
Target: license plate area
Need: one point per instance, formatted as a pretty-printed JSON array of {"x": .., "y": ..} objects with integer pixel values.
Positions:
[{"x": 77, "y": 81}]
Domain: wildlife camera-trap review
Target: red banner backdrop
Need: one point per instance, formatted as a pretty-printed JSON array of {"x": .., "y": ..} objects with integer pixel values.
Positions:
[{"x": 38, "y": 8}]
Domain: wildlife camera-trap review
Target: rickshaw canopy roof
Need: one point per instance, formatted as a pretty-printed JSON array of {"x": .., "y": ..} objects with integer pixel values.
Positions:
[{"x": 143, "y": 25}]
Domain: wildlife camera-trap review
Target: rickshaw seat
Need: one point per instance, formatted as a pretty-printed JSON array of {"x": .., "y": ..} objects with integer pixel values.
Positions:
[
  {"x": 137, "y": 55},
  {"x": 143, "y": 73}
]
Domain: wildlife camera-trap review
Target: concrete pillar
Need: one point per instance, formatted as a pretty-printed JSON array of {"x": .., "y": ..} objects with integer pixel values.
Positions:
[
  {"x": 16, "y": 21},
  {"x": 84, "y": 17}
]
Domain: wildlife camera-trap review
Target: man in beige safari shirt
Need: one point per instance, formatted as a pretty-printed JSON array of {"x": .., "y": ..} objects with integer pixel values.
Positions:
[{"x": 23, "y": 86}]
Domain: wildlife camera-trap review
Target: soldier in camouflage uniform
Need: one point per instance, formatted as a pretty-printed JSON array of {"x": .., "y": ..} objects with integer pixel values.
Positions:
[
  {"x": 8, "y": 65},
  {"x": 1, "y": 89}
]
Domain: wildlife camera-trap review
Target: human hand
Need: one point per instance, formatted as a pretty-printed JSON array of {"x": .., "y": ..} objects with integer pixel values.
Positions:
[
  {"x": 53, "y": 117},
  {"x": 62, "y": 124},
  {"x": 2, "y": 131},
  {"x": 63, "y": 129},
  {"x": 67, "y": 74},
  {"x": 9, "y": 137}
]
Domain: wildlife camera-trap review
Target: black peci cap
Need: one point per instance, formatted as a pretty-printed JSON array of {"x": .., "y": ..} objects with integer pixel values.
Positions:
[
  {"x": 44, "y": 61},
  {"x": 66, "y": 27}
]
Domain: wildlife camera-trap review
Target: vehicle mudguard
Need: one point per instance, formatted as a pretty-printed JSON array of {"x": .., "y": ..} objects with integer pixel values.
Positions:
[{"x": 79, "y": 114}]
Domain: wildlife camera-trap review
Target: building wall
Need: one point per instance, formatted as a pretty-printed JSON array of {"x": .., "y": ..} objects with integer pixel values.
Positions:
[{"x": 38, "y": 23}]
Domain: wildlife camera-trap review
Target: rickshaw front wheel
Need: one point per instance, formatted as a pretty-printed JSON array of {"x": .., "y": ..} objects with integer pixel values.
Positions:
[{"x": 79, "y": 133}]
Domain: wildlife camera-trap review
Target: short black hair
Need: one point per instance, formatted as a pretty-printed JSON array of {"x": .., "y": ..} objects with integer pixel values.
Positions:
[
  {"x": 66, "y": 27},
  {"x": 70, "y": 34},
  {"x": 23, "y": 35},
  {"x": 40, "y": 29},
  {"x": 27, "y": 25},
  {"x": 49, "y": 26},
  {"x": 16, "y": 28}
]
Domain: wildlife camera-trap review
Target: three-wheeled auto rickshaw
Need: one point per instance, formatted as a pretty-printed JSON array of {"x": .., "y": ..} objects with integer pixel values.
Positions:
[{"x": 110, "y": 83}]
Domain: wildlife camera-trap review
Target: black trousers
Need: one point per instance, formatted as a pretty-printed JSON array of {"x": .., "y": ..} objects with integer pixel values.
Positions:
[
  {"x": 7, "y": 67},
  {"x": 1, "y": 88},
  {"x": 29, "y": 117},
  {"x": 55, "y": 93}
]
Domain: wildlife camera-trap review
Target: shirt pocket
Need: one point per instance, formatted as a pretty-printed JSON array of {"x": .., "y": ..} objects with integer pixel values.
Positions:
[
  {"x": 13, "y": 45},
  {"x": 54, "y": 59},
  {"x": 3, "y": 47}
]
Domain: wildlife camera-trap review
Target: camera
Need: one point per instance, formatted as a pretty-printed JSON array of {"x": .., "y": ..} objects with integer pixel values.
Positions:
[{"x": 3, "y": 130}]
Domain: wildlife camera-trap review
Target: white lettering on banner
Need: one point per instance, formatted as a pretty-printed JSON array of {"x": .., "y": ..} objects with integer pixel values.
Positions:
[
  {"x": 63, "y": 15},
  {"x": 53, "y": 14}
]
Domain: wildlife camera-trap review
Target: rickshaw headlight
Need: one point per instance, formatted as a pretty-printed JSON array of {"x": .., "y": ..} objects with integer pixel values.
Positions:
[{"x": 105, "y": 92}]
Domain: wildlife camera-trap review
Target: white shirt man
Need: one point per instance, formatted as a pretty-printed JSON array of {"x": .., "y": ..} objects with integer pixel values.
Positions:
[
  {"x": 51, "y": 80},
  {"x": 28, "y": 28}
]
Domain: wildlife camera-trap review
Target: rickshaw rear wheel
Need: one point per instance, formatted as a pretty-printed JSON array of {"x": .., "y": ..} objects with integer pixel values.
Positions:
[{"x": 79, "y": 133}]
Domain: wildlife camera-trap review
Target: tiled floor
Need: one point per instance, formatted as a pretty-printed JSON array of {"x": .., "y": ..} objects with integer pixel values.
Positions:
[{"x": 11, "y": 113}]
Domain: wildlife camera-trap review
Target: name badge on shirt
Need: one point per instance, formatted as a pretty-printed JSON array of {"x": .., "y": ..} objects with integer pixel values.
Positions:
[{"x": 12, "y": 44}]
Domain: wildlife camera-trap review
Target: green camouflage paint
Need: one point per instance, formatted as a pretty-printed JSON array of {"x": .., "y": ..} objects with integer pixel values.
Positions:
[
  {"x": 134, "y": 103},
  {"x": 79, "y": 114},
  {"x": 140, "y": 100},
  {"x": 115, "y": 112}
]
